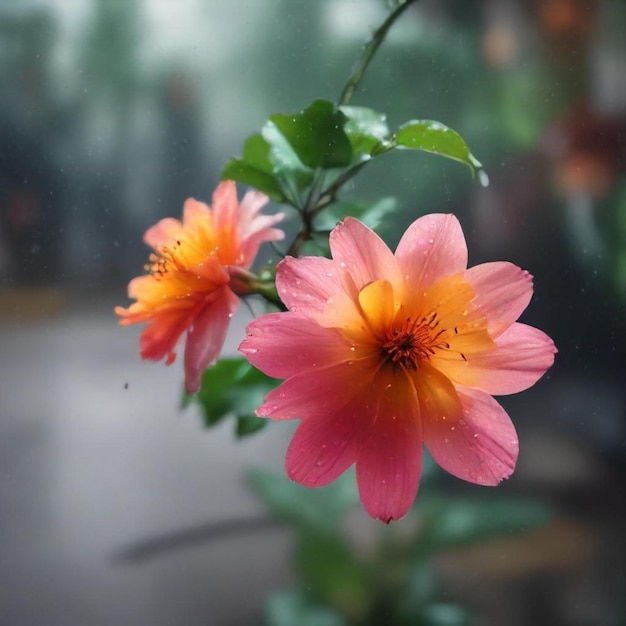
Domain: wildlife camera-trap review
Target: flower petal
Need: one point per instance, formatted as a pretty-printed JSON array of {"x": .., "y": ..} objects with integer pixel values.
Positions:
[
  {"x": 206, "y": 336},
  {"x": 522, "y": 356},
  {"x": 226, "y": 207},
  {"x": 481, "y": 447},
  {"x": 377, "y": 304},
  {"x": 164, "y": 232},
  {"x": 320, "y": 391},
  {"x": 326, "y": 444},
  {"x": 312, "y": 286},
  {"x": 285, "y": 344},
  {"x": 363, "y": 254},
  {"x": 389, "y": 464},
  {"x": 431, "y": 248},
  {"x": 502, "y": 290},
  {"x": 159, "y": 339}
]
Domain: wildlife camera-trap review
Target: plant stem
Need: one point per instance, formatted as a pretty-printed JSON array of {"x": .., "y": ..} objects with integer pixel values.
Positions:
[
  {"x": 319, "y": 199},
  {"x": 369, "y": 51}
]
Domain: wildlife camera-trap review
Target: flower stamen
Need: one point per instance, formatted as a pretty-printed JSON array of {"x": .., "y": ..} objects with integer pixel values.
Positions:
[
  {"x": 164, "y": 260},
  {"x": 412, "y": 342}
]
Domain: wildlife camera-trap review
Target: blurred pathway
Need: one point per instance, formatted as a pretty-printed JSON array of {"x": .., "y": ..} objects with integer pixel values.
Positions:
[{"x": 96, "y": 458}]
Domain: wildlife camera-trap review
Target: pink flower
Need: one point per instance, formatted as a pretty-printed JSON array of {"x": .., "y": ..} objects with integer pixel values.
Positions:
[
  {"x": 196, "y": 272},
  {"x": 383, "y": 353}
]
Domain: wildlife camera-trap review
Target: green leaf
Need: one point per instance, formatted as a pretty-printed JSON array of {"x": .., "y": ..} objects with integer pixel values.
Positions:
[
  {"x": 291, "y": 608},
  {"x": 249, "y": 424},
  {"x": 316, "y": 135},
  {"x": 329, "y": 570},
  {"x": 233, "y": 387},
  {"x": 453, "y": 522},
  {"x": 447, "y": 615},
  {"x": 434, "y": 137},
  {"x": 372, "y": 214},
  {"x": 255, "y": 168},
  {"x": 367, "y": 130},
  {"x": 294, "y": 177},
  {"x": 319, "y": 510}
]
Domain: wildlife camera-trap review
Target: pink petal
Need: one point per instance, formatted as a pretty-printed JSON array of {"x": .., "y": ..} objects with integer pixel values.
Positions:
[
  {"x": 320, "y": 391},
  {"x": 163, "y": 233},
  {"x": 363, "y": 254},
  {"x": 196, "y": 215},
  {"x": 206, "y": 336},
  {"x": 502, "y": 290},
  {"x": 249, "y": 208},
  {"x": 481, "y": 447},
  {"x": 522, "y": 356},
  {"x": 159, "y": 339},
  {"x": 260, "y": 232},
  {"x": 326, "y": 444},
  {"x": 312, "y": 286},
  {"x": 225, "y": 206},
  {"x": 255, "y": 229},
  {"x": 431, "y": 248},
  {"x": 285, "y": 344},
  {"x": 389, "y": 464}
]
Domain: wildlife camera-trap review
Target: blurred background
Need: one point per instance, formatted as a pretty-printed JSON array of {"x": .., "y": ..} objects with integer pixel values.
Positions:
[{"x": 117, "y": 508}]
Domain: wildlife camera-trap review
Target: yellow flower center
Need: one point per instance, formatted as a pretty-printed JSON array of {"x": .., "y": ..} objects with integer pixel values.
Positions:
[{"x": 408, "y": 328}]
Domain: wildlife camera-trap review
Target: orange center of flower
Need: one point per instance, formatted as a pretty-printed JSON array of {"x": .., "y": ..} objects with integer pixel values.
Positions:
[
  {"x": 410, "y": 329},
  {"x": 415, "y": 340}
]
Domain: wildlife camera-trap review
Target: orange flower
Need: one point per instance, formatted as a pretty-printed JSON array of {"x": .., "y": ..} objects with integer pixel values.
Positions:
[{"x": 195, "y": 277}]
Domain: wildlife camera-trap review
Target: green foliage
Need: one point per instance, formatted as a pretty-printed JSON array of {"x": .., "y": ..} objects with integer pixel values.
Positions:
[
  {"x": 290, "y": 608},
  {"x": 317, "y": 510},
  {"x": 304, "y": 159},
  {"x": 331, "y": 572},
  {"x": 233, "y": 387},
  {"x": 316, "y": 135},
  {"x": 255, "y": 168},
  {"x": 372, "y": 214},
  {"x": 395, "y": 581},
  {"x": 367, "y": 130},
  {"x": 434, "y": 137},
  {"x": 452, "y": 522}
]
